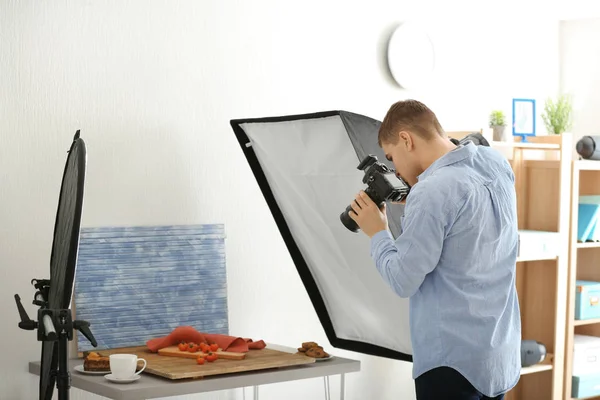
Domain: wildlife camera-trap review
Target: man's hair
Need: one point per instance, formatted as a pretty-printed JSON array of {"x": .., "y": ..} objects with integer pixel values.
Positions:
[{"x": 409, "y": 115}]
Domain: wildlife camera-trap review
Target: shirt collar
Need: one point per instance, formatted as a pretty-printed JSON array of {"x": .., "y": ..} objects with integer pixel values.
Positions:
[{"x": 460, "y": 153}]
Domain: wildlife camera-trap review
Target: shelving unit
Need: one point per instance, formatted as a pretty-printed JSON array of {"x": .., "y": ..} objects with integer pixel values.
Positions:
[
  {"x": 543, "y": 182},
  {"x": 542, "y": 168},
  {"x": 584, "y": 263}
]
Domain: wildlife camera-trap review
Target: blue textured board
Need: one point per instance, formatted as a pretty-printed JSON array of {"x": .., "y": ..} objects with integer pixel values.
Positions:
[{"x": 137, "y": 283}]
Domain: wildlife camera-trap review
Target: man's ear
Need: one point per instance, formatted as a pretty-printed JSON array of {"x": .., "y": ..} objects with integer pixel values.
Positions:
[{"x": 406, "y": 140}]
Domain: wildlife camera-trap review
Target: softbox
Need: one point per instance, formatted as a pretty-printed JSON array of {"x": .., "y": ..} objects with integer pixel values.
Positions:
[{"x": 306, "y": 168}]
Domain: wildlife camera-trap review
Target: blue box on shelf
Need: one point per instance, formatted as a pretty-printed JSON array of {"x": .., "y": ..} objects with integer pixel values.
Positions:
[
  {"x": 587, "y": 300},
  {"x": 585, "y": 385},
  {"x": 588, "y": 215}
]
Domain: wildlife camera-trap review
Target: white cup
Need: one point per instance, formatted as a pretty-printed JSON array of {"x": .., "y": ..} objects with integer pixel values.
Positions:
[{"x": 122, "y": 366}]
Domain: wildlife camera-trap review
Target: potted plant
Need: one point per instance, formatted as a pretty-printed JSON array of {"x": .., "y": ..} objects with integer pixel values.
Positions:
[
  {"x": 498, "y": 124},
  {"x": 558, "y": 114}
]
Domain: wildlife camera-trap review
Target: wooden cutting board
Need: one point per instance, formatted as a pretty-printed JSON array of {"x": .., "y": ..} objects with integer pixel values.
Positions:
[
  {"x": 173, "y": 351},
  {"x": 185, "y": 368}
]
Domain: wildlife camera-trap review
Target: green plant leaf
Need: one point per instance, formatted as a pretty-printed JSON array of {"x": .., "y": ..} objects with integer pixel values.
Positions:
[
  {"x": 497, "y": 118},
  {"x": 558, "y": 114}
]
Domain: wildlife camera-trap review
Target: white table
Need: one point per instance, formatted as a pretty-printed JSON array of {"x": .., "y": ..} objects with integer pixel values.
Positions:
[{"x": 151, "y": 386}]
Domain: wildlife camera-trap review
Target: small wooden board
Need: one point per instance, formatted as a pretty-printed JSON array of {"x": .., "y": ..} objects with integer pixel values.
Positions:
[
  {"x": 184, "y": 368},
  {"x": 173, "y": 351}
]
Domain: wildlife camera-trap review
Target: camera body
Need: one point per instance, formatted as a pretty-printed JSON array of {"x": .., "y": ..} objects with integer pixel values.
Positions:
[{"x": 382, "y": 185}]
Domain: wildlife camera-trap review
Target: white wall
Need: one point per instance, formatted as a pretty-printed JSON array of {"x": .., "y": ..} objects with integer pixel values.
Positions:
[
  {"x": 579, "y": 76},
  {"x": 153, "y": 85}
]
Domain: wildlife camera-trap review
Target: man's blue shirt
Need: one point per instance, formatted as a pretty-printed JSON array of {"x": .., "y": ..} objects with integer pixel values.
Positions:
[{"x": 456, "y": 260}]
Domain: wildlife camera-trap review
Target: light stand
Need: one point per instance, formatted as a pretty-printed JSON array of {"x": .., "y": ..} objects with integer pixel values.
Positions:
[
  {"x": 56, "y": 326},
  {"x": 54, "y": 323}
]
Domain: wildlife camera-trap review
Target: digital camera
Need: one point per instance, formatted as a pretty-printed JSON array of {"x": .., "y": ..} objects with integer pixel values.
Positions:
[{"x": 382, "y": 185}]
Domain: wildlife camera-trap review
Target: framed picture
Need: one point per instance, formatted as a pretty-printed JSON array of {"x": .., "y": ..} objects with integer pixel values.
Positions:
[{"x": 523, "y": 118}]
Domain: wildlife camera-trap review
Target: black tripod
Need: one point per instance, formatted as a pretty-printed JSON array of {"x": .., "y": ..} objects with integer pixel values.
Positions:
[{"x": 54, "y": 325}]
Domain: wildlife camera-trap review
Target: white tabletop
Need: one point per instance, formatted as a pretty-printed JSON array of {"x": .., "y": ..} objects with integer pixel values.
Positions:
[{"x": 151, "y": 386}]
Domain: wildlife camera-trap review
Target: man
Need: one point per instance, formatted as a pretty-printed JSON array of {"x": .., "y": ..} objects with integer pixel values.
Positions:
[{"x": 455, "y": 258}]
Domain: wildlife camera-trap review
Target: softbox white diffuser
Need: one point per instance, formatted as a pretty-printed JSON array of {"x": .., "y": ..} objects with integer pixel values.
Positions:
[{"x": 306, "y": 167}]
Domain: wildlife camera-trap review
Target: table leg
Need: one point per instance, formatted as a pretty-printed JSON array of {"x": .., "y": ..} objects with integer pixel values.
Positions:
[
  {"x": 326, "y": 385},
  {"x": 342, "y": 386},
  {"x": 255, "y": 396}
]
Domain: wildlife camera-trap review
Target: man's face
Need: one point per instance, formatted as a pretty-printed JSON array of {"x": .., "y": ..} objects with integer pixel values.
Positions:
[{"x": 402, "y": 155}]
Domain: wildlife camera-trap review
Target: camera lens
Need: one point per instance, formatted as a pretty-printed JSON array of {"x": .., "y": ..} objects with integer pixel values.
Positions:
[{"x": 347, "y": 221}]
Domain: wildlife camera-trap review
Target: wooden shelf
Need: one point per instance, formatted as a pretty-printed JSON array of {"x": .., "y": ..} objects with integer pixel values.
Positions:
[
  {"x": 581, "y": 322},
  {"x": 527, "y": 259},
  {"x": 536, "y": 368},
  {"x": 542, "y": 168},
  {"x": 587, "y": 165},
  {"x": 545, "y": 365},
  {"x": 587, "y": 245},
  {"x": 583, "y": 263},
  {"x": 544, "y": 203},
  {"x": 527, "y": 145}
]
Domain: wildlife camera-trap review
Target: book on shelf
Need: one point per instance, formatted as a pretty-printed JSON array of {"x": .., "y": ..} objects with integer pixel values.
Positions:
[{"x": 588, "y": 229}]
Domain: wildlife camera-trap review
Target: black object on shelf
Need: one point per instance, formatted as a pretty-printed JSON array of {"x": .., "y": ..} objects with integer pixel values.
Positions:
[
  {"x": 54, "y": 323},
  {"x": 532, "y": 352},
  {"x": 587, "y": 147}
]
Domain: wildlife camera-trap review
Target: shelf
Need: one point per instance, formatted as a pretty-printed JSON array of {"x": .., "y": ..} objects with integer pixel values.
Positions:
[
  {"x": 582, "y": 264},
  {"x": 580, "y": 322},
  {"x": 545, "y": 365},
  {"x": 587, "y": 165},
  {"x": 542, "y": 258},
  {"x": 587, "y": 245},
  {"x": 542, "y": 175},
  {"x": 528, "y": 146}
]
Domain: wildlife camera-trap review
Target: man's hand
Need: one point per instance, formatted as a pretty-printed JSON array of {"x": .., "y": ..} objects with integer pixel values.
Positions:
[{"x": 367, "y": 216}]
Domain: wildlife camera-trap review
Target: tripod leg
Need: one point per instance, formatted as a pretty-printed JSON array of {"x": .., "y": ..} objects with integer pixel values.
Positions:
[{"x": 63, "y": 377}]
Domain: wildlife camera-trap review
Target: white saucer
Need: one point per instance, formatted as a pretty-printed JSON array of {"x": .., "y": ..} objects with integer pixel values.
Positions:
[
  {"x": 111, "y": 378},
  {"x": 79, "y": 368}
]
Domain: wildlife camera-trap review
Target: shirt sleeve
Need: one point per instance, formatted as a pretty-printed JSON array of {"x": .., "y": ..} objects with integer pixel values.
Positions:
[{"x": 404, "y": 263}]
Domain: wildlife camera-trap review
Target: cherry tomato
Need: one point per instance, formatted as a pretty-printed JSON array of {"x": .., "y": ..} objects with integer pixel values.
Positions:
[
  {"x": 211, "y": 357},
  {"x": 214, "y": 347},
  {"x": 193, "y": 348},
  {"x": 200, "y": 360},
  {"x": 183, "y": 346}
]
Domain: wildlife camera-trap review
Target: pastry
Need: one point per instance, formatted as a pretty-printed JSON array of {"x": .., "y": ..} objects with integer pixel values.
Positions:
[
  {"x": 312, "y": 349},
  {"x": 316, "y": 352},
  {"x": 95, "y": 362}
]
